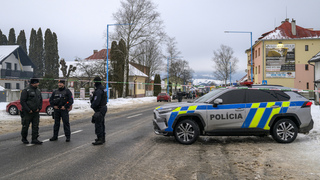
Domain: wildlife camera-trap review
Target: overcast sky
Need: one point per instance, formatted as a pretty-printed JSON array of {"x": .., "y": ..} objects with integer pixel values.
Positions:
[{"x": 197, "y": 25}]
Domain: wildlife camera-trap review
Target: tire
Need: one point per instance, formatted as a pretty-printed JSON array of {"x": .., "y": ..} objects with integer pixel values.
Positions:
[
  {"x": 186, "y": 132},
  {"x": 284, "y": 131},
  {"x": 13, "y": 110},
  {"x": 49, "y": 110}
]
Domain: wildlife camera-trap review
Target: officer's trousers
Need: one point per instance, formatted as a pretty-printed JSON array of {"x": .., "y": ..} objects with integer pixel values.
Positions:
[
  {"x": 64, "y": 114},
  {"x": 100, "y": 128},
  {"x": 28, "y": 118}
]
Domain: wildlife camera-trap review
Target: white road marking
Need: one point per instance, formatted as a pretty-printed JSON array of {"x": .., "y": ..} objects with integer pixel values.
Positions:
[
  {"x": 46, "y": 140},
  {"x": 134, "y": 116}
]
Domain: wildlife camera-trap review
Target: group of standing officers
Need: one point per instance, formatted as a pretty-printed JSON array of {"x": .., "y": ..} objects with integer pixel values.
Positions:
[{"x": 61, "y": 100}]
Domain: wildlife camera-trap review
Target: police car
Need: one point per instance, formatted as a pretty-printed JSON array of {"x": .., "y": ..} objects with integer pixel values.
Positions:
[{"x": 237, "y": 111}]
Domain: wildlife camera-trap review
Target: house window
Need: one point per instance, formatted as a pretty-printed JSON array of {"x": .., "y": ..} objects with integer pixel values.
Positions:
[
  {"x": 259, "y": 70},
  {"x": 8, "y": 65},
  {"x": 307, "y": 85},
  {"x": 255, "y": 54},
  {"x": 259, "y": 52},
  {"x": 7, "y": 85},
  {"x": 306, "y": 48},
  {"x": 307, "y": 67},
  {"x": 15, "y": 67},
  {"x": 17, "y": 85}
]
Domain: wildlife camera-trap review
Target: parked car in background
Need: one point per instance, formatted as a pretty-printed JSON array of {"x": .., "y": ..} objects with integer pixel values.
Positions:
[
  {"x": 163, "y": 97},
  {"x": 14, "y": 107}
]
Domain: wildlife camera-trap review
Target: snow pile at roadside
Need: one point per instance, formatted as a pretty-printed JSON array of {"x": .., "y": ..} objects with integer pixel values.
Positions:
[{"x": 80, "y": 105}]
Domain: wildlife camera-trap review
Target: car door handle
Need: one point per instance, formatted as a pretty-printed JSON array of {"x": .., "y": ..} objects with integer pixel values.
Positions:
[
  {"x": 275, "y": 106},
  {"x": 239, "y": 109}
]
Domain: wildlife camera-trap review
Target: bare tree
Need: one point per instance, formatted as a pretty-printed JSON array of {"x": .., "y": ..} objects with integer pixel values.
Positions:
[
  {"x": 91, "y": 68},
  {"x": 149, "y": 54},
  {"x": 64, "y": 68},
  {"x": 144, "y": 24},
  {"x": 180, "y": 72},
  {"x": 224, "y": 60}
]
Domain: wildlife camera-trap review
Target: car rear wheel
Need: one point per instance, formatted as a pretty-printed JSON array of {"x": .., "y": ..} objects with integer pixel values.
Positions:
[
  {"x": 49, "y": 110},
  {"x": 13, "y": 110},
  {"x": 186, "y": 132},
  {"x": 284, "y": 131}
]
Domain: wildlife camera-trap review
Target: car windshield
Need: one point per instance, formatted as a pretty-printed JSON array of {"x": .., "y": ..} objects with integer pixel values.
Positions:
[{"x": 209, "y": 95}]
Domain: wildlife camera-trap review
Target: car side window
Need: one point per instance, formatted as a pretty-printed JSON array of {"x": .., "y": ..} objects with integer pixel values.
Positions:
[
  {"x": 235, "y": 96},
  {"x": 282, "y": 96},
  {"x": 254, "y": 96}
]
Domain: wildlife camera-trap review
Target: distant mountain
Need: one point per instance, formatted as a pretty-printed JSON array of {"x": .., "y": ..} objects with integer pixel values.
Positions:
[{"x": 202, "y": 78}]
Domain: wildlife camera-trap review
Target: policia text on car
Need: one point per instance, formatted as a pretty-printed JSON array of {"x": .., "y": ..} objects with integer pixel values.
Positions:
[
  {"x": 31, "y": 102},
  {"x": 61, "y": 101}
]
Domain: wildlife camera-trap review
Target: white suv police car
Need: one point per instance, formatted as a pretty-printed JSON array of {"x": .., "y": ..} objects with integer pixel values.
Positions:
[{"x": 276, "y": 110}]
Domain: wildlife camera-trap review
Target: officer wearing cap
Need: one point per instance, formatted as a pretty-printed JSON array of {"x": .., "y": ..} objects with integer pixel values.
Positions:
[
  {"x": 31, "y": 102},
  {"x": 99, "y": 105},
  {"x": 61, "y": 100}
]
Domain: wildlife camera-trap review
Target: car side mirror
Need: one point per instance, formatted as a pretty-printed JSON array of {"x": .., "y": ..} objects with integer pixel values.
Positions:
[{"x": 217, "y": 101}]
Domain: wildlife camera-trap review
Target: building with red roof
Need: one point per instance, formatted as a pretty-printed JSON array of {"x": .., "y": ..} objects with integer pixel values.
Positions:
[{"x": 281, "y": 56}]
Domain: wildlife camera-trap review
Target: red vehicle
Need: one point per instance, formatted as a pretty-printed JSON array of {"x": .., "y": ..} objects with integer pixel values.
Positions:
[
  {"x": 14, "y": 107},
  {"x": 163, "y": 97}
]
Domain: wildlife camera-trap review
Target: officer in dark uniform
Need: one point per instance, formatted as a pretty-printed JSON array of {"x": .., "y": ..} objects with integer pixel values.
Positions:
[
  {"x": 31, "y": 102},
  {"x": 61, "y": 100},
  {"x": 99, "y": 105},
  {"x": 179, "y": 94}
]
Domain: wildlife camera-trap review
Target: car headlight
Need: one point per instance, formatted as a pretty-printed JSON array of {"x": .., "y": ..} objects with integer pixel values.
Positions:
[{"x": 165, "y": 110}]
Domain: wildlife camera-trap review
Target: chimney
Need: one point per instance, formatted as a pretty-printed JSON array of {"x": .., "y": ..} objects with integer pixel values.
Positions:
[
  {"x": 95, "y": 51},
  {"x": 293, "y": 27}
]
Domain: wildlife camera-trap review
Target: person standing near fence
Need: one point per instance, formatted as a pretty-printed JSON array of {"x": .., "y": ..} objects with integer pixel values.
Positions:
[
  {"x": 99, "y": 105},
  {"x": 31, "y": 102},
  {"x": 61, "y": 100}
]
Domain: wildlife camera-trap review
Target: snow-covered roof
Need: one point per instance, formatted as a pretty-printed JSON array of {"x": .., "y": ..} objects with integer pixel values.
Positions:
[
  {"x": 132, "y": 70},
  {"x": 6, "y": 50},
  {"x": 2, "y": 88},
  {"x": 135, "y": 72},
  {"x": 315, "y": 58}
]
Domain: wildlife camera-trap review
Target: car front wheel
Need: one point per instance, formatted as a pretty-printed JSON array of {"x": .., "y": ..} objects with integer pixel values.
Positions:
[
  {"x": 13, "y": 110},
  {"x": 49, "y": 110},
  {"x": 186, "y": 132},
  {"x": 284, "y": 131}
]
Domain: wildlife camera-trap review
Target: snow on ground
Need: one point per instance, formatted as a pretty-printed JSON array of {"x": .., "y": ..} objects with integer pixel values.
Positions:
[{"x": 80, "y": 105}]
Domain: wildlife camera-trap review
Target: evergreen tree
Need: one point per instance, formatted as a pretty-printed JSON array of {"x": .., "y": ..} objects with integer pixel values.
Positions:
[
  {"x": 55, "y": 64},
  {"x": 157, "y": 88},
  {"x": 21, "y": 40},
  {"x": 4, "y": 40},
  {"x": 38, "y": 54},
  {"x": 12, "y": 37},
  {"x": 0, "y": 37},
  {"x": 32, "y": 47},
  {"x": 123, "y": 53},
  {"x": 48, "y": 53}
]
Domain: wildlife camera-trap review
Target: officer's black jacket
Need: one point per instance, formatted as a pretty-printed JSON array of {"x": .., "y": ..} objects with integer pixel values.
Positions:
[
  {"x": 31, "y": 99},
  {"x": 98, "y": 99},
  {"x": 63, "y": 101}
]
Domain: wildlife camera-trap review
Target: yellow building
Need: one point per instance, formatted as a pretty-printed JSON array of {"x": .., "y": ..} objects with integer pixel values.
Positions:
[{"x": 280, "y": 56}]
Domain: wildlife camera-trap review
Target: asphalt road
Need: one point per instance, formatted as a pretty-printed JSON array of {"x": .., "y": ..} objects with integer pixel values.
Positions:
[{"x": 133, "y": 151}]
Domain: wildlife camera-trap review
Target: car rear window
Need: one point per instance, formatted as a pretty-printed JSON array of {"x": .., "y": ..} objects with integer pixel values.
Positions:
[{"x": 162, "y": 94}]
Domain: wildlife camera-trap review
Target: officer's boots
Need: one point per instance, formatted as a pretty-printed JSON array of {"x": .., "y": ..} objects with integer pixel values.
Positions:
[
  {"x": 103, "y": 139},
  {"x": 99, "y": 141}
]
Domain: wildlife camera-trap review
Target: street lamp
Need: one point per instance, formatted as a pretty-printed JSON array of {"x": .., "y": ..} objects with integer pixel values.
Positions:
[
  {"x": 107, "y": 66},
  {"x": 251, "y": 45},
  {"x": 168, "y": 71}
]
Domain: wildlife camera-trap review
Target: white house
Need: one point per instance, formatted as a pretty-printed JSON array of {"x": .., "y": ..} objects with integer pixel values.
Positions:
[
  {"x": 316, "y": 60},
  {"x": 15, "y": 67}
]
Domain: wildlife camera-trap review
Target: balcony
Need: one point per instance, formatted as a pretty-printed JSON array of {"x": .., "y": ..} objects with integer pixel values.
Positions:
[{"x": 12, "y": 74}]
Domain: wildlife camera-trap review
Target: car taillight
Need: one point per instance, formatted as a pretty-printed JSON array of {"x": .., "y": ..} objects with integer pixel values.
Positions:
[{"x": 306, "y": 104}]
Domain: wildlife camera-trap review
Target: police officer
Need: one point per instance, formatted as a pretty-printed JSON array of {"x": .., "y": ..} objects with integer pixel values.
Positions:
[
  {"x": 99, "y": 105},
  {"x": 179, "y": 94},
  {"x": 31, "y": 102},
  {"x": 61, "y": 100}
]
